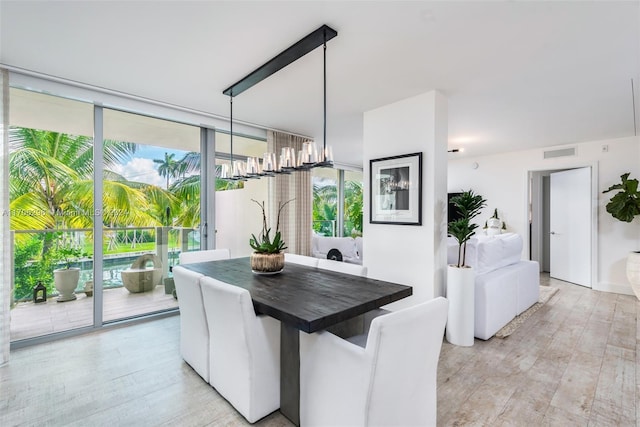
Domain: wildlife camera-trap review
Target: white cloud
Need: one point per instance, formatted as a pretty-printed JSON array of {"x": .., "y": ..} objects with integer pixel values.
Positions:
[{"x": 141, "y": 170}]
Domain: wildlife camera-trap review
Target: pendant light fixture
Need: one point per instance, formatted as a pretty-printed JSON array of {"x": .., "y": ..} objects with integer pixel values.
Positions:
[{"x": 309, "y": 156}]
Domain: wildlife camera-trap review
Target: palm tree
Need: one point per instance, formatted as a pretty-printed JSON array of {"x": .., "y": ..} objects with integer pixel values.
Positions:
[
  {"x": 51, "y": 173},
  {"x": 169, "y": 167},
  {"x": 51, "y": 186}
]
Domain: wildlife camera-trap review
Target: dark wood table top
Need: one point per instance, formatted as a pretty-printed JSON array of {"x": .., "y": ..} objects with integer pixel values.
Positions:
[{"x": 310, "y": 299}]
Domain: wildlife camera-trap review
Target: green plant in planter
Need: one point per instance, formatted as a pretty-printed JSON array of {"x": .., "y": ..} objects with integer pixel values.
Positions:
[
  {"x": 263, "y": 244},
  {"x": 68, "y": 255},
  {"x": 469, "y": 205},
  {"x": 625, "y": 204}
]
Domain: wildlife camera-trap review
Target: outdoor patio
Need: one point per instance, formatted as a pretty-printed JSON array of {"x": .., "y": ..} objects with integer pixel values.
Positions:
[{"x": 30, "y": 320}]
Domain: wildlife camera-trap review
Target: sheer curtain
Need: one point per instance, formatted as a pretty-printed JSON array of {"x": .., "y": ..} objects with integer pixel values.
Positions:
[
  {"x": 5, "y": 236},
  {"x": 296, "y": 217}
]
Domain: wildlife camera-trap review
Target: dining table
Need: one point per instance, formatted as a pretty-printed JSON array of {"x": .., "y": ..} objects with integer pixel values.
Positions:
[{"x": 307, "y": 299}]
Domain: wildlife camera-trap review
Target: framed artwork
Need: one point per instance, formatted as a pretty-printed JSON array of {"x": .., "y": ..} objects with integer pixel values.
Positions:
[{"x": 396, "y": 190}]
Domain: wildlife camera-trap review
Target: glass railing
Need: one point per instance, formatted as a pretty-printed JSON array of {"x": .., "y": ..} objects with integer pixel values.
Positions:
[{"x": 37, "y": 254}]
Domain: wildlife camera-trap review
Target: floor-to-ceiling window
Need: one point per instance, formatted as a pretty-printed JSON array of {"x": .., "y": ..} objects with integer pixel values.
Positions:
[
  {"x": 352, "y": 202},
  {"x": 51, "y": 213},
  {"x": 150, "y": 211},
  {"x": 337, "y": 202},
  {"x": 325, "y": 201},
  {"x": 151, "y": 199}
]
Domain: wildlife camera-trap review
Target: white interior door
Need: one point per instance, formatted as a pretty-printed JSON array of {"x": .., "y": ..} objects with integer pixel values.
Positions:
[{"x": 570, "y": 225}]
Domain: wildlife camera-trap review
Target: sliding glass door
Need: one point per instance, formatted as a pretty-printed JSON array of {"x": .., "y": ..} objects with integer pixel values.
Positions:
[
  {"x": 51, "y": 213},
  {"x": 149, "y": 212},
  {"x": 151, "y": 199}
]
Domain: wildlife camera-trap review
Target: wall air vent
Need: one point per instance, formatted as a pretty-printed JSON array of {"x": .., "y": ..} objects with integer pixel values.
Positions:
[{"x": 560, "y": 153}]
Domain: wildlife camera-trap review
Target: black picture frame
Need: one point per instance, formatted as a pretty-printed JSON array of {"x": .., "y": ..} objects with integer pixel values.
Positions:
[{"x": 395, "y": 190}]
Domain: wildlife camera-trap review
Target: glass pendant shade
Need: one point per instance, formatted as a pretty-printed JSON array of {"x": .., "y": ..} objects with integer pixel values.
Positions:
[
  {"x": 269, "y": 162},
  {"x": 224, "y": 172},
  {"x": 238, "y": 169}
]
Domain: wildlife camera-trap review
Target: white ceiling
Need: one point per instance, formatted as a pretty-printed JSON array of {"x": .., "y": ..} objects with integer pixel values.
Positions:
[{"x": 517, "y": 74}]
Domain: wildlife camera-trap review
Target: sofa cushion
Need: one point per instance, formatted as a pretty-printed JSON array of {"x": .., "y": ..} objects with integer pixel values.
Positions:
[{"x": 488, "y": 253}]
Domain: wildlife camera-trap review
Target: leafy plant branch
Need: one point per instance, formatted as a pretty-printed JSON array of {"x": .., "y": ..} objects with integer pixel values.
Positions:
[
  {"x": 625, "y": 204},
  {"x": 469, "y": 205}
]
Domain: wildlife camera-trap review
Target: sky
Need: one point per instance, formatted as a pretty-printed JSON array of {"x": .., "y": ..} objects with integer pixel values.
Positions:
[{"x": 141, "y": 168}]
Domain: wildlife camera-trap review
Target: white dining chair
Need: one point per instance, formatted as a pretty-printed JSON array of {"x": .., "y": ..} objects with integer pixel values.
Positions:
[
  {"x": 203, "y": 256},
  {"x": 392, "y": 381},
  {"x": 194, "y": 332},
  {"x": 301, "y": 259},
  {"x": 244, "y": 350},
  {"x": 343, "y": 267}
]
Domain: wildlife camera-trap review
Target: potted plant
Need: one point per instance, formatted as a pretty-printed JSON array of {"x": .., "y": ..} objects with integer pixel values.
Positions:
[
  {"x": 493, "y": 224},
  {"x": 460, "y": 277},
  {"x": 268, "y": 256},
  {"x": 625, "y": 206},
  {"x": 66, "y": 279}
]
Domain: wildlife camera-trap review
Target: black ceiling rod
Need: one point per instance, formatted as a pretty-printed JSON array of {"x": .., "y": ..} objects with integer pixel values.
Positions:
[
  {"x": 231, "y": 126},
  {"x": 324, "y": 84},
  {"x": 291, "y": 54}
]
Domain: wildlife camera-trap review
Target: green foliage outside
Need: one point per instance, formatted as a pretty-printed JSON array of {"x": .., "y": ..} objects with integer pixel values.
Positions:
[
  {"x": 51, "y": 188},
  {"x": 325, "y": 209}
]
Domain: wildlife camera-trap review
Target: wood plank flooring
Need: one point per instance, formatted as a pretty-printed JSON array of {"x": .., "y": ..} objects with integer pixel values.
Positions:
[{"x": 573, "y": 363}]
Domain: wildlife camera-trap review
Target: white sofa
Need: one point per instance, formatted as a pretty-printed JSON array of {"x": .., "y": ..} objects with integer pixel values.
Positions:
[
  {"x": 348, "y": 247},
  {"x": 505, "y": 286},
  {"x": 503, "y": 294}
]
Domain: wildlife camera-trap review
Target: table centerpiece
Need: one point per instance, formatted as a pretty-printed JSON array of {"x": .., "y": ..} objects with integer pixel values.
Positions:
[{"x": 268, "y": 257}]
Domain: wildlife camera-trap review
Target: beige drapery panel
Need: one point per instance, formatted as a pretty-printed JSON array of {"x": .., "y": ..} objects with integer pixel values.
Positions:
[
  {"x": 5, "y": 234},
  {"x": 296, "y": 217}
]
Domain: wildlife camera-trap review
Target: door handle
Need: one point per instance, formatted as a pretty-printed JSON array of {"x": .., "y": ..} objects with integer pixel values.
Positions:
[{"x": 553, "y": 232}]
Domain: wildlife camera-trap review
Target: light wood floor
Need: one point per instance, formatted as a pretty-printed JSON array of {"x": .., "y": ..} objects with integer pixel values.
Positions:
[{"x": 573, "y": 363}]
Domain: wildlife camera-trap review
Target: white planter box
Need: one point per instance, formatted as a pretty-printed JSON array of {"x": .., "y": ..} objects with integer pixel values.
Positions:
[{"x": 460, "y": 293}]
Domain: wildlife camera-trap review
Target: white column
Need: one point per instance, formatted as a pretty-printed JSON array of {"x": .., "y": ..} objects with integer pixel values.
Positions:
[
  {"x": 6, "y": 262},
  {"x": 411, "y": 255}
]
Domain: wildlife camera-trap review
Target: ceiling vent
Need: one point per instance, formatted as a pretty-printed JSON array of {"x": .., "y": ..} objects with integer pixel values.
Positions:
[{"x": 560, "y": 153}]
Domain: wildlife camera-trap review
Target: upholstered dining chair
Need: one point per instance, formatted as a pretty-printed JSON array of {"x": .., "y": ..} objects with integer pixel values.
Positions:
[
  {"x": 202, "y": 256},
  {"x": 342, "y": 267},
  {"x": 301, "y": 259},
  {"x": 194, "y": 332},
  {"x": 244, "y": 350},
  {"x": 391, "y": 381}
]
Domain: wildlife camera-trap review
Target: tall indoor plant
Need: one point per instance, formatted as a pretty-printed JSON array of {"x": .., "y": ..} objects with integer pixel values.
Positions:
[
  {"x": 460, "y": 277},
  {"x": 625, "y": 206},
  {"x": 268, "y": 256}
]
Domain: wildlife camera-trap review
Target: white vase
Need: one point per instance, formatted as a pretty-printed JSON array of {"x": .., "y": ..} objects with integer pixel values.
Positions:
[
  {"x": 633, "y": 272},
  {"x": 461, "y": 296},
  {"x": 494, "y": 223},
  {"x": 66, "y": 282}
]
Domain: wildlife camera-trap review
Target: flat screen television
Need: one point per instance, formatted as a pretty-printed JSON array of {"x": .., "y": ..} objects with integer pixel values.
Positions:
[{"x": 453, "y": 213}]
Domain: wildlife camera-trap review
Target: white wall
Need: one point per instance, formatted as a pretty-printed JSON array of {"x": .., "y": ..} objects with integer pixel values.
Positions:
[
  {"x": 502, "y": 180},
  {"x": 237, "y": 217},
  {"x": 410, "y": 255}
]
